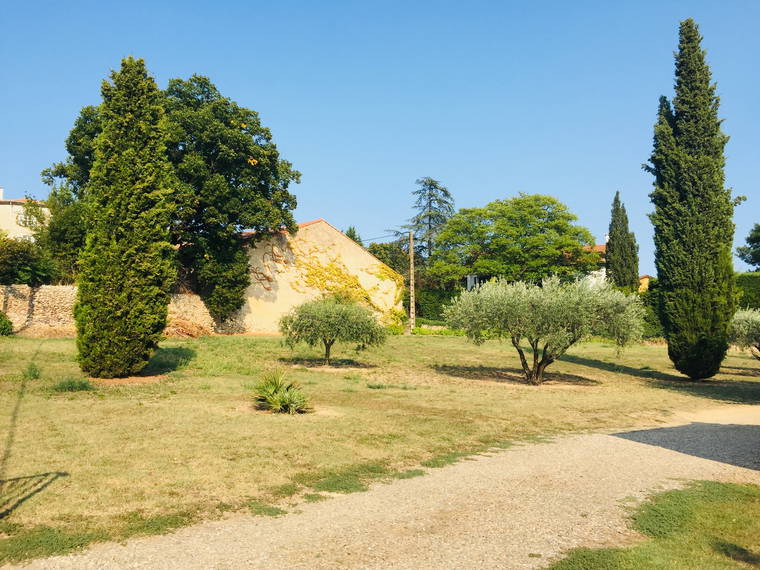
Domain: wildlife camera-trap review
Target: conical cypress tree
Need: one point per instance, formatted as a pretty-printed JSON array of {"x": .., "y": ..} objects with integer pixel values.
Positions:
[
  {"x": 127, "y": 266},
  {"x": 622, "y": 255},
  {"x": 693, "y": 216}
]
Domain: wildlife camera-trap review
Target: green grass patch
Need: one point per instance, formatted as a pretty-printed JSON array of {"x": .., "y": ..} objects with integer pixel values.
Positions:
[
  {"x": 314, "y": 497},
  {"x": 43, "y": 541},
  {"x": 73, "y": 385},
  {"x": 31, "y": 372},
  {"x": 285, "y": 490},
  {"x": 446, "y": 459},
  {"x": 260, "y": 509},
  {"x": 138, "y": 524},
  {"x": 706, "y": 525},
  {"x": 408, "y": 474},
  {"x": 351, "y": 479}
]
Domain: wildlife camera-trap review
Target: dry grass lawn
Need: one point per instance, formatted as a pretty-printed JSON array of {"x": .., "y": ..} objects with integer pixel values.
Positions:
[{"x": 185, "y": 442}]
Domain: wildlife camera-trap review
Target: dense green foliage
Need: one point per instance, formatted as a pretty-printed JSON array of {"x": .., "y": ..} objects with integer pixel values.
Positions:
[
  {"x": 748, "y": 286},
  {"x": 750, "y": 253},
  {"x": 693, "y": 216},
  {"x": 526, "y": 238},
  {"x": 622, "y": 254},
  {"x": 128, "y": 266},
  {"x": 60, "y": 231},
  {"x": 745, "y": 331},
  {"x": 550, "y": 317},
  {"x": 228, "y": 176},
  {"x": 331, "y": 320},
  {"x": 23, "y": 262},
  {"x": 650, "y": 299},
  {"x": 430, "y": 303},
  {"x": 434, "y": 205},
  {"x": 353, "y": 233},
  {"x": 707, "y": 525},
  {"x": 275, "y": 393},
  {"x": 6, "y": 326},
  {"x": 393, "y": 254}
]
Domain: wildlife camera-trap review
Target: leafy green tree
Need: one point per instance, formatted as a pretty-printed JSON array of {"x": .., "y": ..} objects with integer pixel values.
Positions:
[
  {"x": 353, "y": 233},
  {"x": 23, "y": 262},
  {"x": 6, "y": 326},
  {"x": 750, "y": 253},
  {"x": 58, "y": 227},
  {"x": 392, "y": 254},
  {"x": 622, "y": 253},
  {"x": 127, "y": 266},
  {"x": 228, "y": 177},
  {"x": 434, "y": 205},
  {"x": 549, "y": 318},
  {"x": 693, "y": 216},
  {"x": 331, "y": 320},
  {"x": 526, "y": 238}
]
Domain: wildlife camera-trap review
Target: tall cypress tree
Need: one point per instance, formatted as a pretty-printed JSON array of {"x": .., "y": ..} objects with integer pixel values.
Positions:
[
  {"x": 693, "y": 216},
  {"x": 127, "y": 266},
  {"x": 622, "y": 255}
]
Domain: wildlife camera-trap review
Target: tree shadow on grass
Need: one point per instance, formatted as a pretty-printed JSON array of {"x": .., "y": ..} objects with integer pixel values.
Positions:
[
  {"x": 168, "y": 359},
  {"x": 17, "y": 490},
  {"x": 734, "y": 391},
  {"x": 736, "y": 552},
  {"x": 508, "y": 375},
  {"x": 735, "y": 444},
  {"x": 318, "y": 362},
  {"x": 619, "y": 368},
  {"x": 741, "y": 371}
]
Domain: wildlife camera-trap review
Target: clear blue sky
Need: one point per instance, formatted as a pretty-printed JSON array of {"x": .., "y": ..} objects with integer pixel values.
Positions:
[{"x": 491, "y": 98}]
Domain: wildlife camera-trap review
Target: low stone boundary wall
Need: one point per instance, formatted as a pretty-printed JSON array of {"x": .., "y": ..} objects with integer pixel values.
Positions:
[{"x": 49, "y": 311}]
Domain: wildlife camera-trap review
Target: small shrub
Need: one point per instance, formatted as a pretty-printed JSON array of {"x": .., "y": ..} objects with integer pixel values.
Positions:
[
  {"x": 31, "y": 372},
  {"x": 73, "y": 385},
  {"x": 6, "y": 326},
  {"x": 280, "y": 396},
  {"x": 745, "y": 331},
  {"x": 331, "y": 320},
  {"x": 395, "y": 330}
]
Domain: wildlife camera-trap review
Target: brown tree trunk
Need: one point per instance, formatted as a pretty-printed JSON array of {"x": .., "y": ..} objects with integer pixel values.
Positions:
[{"x": 328, "y": 346}]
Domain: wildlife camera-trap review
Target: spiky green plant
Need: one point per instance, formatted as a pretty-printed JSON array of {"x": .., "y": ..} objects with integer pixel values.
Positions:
[{"x": 279, "y": 395}]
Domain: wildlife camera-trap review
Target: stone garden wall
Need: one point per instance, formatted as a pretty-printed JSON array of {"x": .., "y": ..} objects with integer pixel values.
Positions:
[{"x": 48, "y": 311}]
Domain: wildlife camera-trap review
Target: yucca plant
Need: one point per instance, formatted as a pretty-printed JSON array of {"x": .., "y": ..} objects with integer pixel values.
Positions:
[{"x": 279, "y": 395}]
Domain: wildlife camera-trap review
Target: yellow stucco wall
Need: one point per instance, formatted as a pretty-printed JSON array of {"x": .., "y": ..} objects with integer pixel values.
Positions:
[
  {"x": 10, "y": 213},
  {"x": 287, "y": 270}
]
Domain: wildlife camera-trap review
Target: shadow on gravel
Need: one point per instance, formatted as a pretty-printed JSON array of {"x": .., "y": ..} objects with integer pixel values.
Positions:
[
  {"x": 510, "y": 375},
  {"x": 735, "y": 444}
]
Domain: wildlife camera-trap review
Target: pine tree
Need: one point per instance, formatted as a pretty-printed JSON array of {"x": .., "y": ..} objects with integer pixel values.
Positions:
[
  {"x": 693, "y": 216},
  {"x": 353, "y": 233},
  {"x": 622, "y": 255},
  {"x": 434, "y": 205},
  {"x": 127, "y": 266}
]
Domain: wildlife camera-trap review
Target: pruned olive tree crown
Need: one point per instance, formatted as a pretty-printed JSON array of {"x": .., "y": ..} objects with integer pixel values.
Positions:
[
  {"x": 745, "y": 331},
  {"x": 543, "y": 321},
  {"x": 327, "y": 321}
]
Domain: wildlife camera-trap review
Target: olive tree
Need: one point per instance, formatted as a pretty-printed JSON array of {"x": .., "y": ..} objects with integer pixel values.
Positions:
[
  {"x": 331, "y": 320},
  {"x": 549, "y": 318},
  {"x": 745, "y": 331}
]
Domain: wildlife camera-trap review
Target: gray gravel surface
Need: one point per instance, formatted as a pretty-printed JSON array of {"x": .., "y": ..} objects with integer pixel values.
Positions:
[{"x": 517, "y": 508}]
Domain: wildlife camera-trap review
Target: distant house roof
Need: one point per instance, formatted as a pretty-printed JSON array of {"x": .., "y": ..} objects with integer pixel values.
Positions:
[{"x": 599, "y": 248}]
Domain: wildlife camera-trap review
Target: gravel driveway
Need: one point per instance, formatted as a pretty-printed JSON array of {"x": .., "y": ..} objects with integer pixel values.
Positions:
[{"x": 518, "y": 508}]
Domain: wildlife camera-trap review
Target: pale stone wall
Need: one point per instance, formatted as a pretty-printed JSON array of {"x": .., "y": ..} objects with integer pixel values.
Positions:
[
  {"x": 285, "y": 271},
  {"x": 289, "y": 270},
  {"x": 49, "y": 311}
]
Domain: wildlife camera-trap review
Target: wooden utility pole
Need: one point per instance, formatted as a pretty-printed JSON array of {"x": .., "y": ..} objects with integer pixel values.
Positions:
[{"x": 412, "y": 312}]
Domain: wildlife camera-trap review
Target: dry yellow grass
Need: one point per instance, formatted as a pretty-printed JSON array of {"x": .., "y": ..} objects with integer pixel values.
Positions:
[{"x": 191, "y": 443}]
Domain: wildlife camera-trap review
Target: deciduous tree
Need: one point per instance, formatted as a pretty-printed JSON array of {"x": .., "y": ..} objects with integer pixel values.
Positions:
[{"x": 750, "y": 253}]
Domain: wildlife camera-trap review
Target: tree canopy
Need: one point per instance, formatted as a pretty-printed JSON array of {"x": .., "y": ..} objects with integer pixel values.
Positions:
[
  {"x": 549, "y": 317},
  {"x": 228, "y": 176},
  {"x": 750, "y": 253},
  {"x": 622, "y": 253},
  {"x": 529, "y": 237},
  {"x": 127, "y": 266},
  {"x": 434, "y": 205},
  {"x": 693, "y": 217}
]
